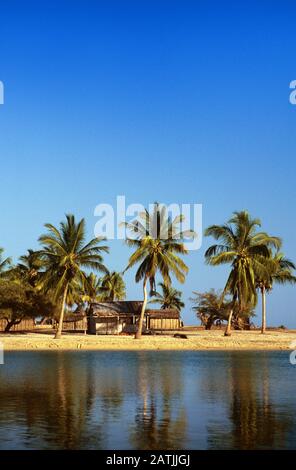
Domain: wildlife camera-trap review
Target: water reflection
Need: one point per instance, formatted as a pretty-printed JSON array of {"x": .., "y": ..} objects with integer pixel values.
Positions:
[
  {"x": 258, "y": 414},
  {"x": 48, "y": 406},
  {"x": 160, "y": 416},
  {"x": 147, "y": 400}
]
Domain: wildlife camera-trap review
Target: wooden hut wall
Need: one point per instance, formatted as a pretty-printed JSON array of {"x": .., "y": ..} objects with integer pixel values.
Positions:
[
  {"x": 24, "y": 325},
  {"x": 75, "y": 325},
  {"x": 108, "y": 326},
  {"x": 164, "y": 323}
]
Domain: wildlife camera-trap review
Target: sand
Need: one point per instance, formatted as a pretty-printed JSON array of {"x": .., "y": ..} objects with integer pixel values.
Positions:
[{"x": 199, "y": 340}]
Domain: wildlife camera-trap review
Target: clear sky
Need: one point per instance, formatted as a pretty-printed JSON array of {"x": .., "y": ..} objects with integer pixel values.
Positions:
[{"x": 174, "y": 101}]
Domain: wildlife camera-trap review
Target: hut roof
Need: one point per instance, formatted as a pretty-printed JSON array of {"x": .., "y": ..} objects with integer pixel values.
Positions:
[
  {"x": 79, "y": 311},
  {"x": 115, "y": 308},
  {"x": 163, "y": 313},
  {"x": 73, "y": 317},
  {"x": 76, "y": 315}
]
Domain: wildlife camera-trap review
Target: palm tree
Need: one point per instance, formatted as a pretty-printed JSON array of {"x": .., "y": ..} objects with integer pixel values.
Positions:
[
  {"x": 91, "y": 289},
  {"x": 158, "y": 241},
  {"x": 245, "y": 248},
  {"x": 112, "y": 287},
  {"x": 64, "y": 254},
  {"x": 4, "y": 264},
  {"x": 169, "y": 298},
  {"x": 278, "y": 269},
  {"x": 30, "y": 266}
]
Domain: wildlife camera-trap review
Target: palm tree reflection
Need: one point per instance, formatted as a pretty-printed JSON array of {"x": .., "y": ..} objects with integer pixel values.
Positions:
[
  {"x": 255, "y": 421},
  {"x": 160, "y": 418},
  {"x": 52, "y": 407}
]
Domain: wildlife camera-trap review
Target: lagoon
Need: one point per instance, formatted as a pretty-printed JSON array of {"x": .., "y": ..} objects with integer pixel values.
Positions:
[{"x": 147, "y": 400}]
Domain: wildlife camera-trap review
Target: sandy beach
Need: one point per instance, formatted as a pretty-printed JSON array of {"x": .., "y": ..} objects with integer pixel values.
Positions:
[{"x": 201, "y": 340}]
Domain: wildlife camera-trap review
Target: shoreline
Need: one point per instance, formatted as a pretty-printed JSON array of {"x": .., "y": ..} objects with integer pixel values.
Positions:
[{"x": 198, "y": 341}]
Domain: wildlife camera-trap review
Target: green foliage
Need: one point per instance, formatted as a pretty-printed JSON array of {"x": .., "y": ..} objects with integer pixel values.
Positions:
[
  {"x": 19, "y": 300},
  {"x": 29, "y": 268},
  {"x": 242, "y": 315},
  {"x": 5, "y": 265},
  {"x": 112, "y": 287},
  {"x": 95, "y": 289},
  {"x": 59, "y": 270},
  {"x": 212, "y": 308},
  {"x": 64, "y": 254},
  {"x": 169, "y": 298},
  {"x": 91, "y": 288},
  {"x": 158, "y": 244},
  {"x": 245, "y": 249},
  {"x": 278, "y": 269}
]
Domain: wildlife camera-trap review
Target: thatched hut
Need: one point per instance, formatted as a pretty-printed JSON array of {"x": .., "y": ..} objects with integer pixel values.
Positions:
[
  {"x": 75, "y": 322},
  {"x": 163, "y": 319},
  {"x": 123, "y": 317},
  {"x": 114, "y": 317}
]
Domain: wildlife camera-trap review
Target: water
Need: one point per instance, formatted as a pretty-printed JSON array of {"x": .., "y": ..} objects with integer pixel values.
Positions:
[{"x": 147, "y": 400}]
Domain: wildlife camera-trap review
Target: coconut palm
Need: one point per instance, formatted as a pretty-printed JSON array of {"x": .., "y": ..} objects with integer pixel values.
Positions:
[
  {"x": 5, "y": 264},
  {"x": 112, "y": 287},
  {"x": 30, "y": 266},
  {"x": 84, "y": 291},
  {"x": 64, "y": 254},
  {"x": 169, "y": 298},
  {"x": 158, "y": 241},
  {"x": 278, "y": 269},
  {"x": 245, "y": 249},
  {"x": 91, "y": 288}
]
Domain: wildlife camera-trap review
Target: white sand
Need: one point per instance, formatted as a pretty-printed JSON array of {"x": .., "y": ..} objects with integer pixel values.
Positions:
[{"x": 199, "y": 340}]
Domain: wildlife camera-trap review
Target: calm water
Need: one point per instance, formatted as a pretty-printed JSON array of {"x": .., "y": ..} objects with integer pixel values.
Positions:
[{"x": 147, "y": 400}]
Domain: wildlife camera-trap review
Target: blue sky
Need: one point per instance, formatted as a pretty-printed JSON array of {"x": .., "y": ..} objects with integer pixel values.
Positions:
[{"x": 184, "y": 102}]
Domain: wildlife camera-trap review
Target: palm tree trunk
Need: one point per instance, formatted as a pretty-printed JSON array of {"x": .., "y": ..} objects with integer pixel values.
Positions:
[
  {"x": 138, "y": 335},
  {"x": 61, "y": 319},
  {"x": 228, "y": 327},
  {"x": 263, "y": 326}
]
